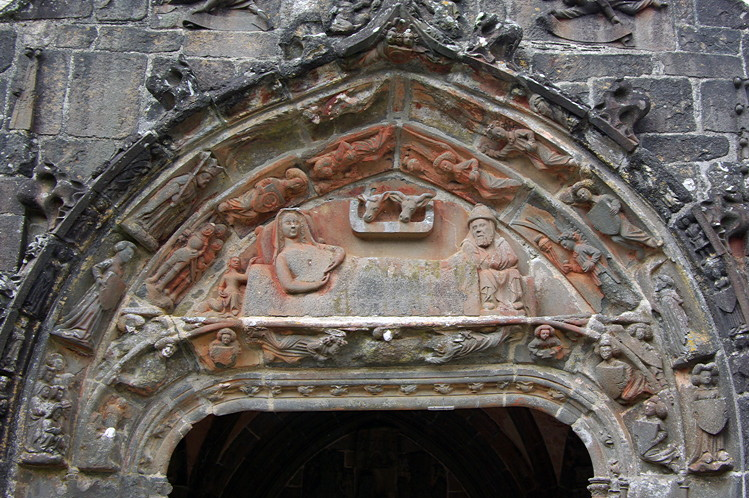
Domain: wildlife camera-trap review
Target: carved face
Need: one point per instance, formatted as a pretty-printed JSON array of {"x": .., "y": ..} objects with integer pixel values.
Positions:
[
  {"x": 584, "y": 195},
  {"x": 606, "y": 351},
  {"x": 567, "y": 244},
  {"x": 706, "y": 377},
  {"x": 126, "y": 254},
  {"x": 226, "y": 338},
  {"x": 649, "y": 408},
  {"x": 291, "y": 226},
  {"x": 203, "y": 179},
  {"x": 483, "y": 232},
  {"x": 235, "y": 263},
  {"x": 544, "y": 333}
]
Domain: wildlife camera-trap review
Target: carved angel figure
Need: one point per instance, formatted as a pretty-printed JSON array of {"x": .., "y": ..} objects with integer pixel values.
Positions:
[
  {"x": 465, "y": 342},
  {"x": 79, "y": 326},
  {"x": 346, "y": 154},
  {"x": 291, "y": 348},
  {"x": 301, "y": 263},
  {"x": 267, "y": 196}
]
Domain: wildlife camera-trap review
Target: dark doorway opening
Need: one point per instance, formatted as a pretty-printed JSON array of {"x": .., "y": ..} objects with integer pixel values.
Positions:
[{"x": 492, "y": 452}]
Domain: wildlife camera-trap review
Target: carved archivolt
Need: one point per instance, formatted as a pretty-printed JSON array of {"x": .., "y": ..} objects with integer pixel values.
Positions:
[{"x": 444, "y": 227}]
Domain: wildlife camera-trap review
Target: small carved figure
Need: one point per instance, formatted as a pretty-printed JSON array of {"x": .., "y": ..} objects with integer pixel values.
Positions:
[
  {"x": 291, "y": 348},
  {"x": 12, "y": 351},
  {"x": 622, "y": 107},
  {"x": 349, "y": 16},
  {"x": 695, "y": 234},
  {"x": 175, "y": 201},
  {"x": 79, "y": 326},
  {"x": 728, "y": 213},
  {"x": 618, "y": 378},
  {"x": 231, "y": 290},
  {"x": 670, "y": 308},
  {"x": 50, "y": 191},
  {"x": 649, "y": 432},
  {"x": 174, "y": 86},
  {"x": 711, "y": 416},
  {"x": 585, "y": 258},
  {"x": 46, "y": 440},
  {"x": 578, "y": 8},
  {"x": 301, "y": 263},
  {"x": 223, "y": 351},
  {"x": 351, "y": 151},
  {"x": 494, "y": 38},
  {"x": 545, "y": 345},
  {"x": 467, "y": 172},
  {"x": 465, "y": 342},
  {"x": 607, "y": 217},
  {"x": 523, "y": 142},
  {"x": 149, "y": 372},
  {"x": 267, "y": 196},
  {"x": 500, "y": 282}
]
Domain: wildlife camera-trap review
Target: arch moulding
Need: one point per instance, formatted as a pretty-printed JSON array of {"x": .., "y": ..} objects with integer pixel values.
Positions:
[{"x": 391, "y": 225}]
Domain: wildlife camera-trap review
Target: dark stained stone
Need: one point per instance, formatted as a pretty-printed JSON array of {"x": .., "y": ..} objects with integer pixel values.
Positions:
[
  {"x": 7, "y": 49},
  {"x": 125, "y": 39},
  {"x": 75, "y": 36},
  {"x": 566, "y": 67},
  {"x": 680, "y": 148},
  {"x": 56, "y": 9},
  {"x": 51, "y": 86},
  {"x": 725, "y": 13},
  {"x": 17, "y": 153},
  {"x": 708, "y": 40},
  {"x": 11, "y": 233},
  {"x": 719, "y": 99},
  {"x": 121, "y": 10},
  {"x": 701, "y": 65}
]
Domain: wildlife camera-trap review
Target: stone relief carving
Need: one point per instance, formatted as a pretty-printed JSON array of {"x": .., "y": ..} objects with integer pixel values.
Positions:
[
  {"x": 340, "y": 157},
  {"x": 349, "y": 16},
  {"x": 291, "y": 348},
  {"x": 650, "y": 433},
  {"x": 266, "y": 197},
  {"x": 155, "y": 222},
  {"x": 621, "y": 107},
  {"x": 606, "y": 216},
  {"x": 545, "y": 345},
  {"x": 458, "y": 344},
  {"x": 366, "y": 226},
  {"x": 50, "y": 191},
  {"x": 500, "y": 282},
  {"x": 441, "y": 164},
  {"x": 674, "y": 316},
  {"x": 13, "y": 347},
  {"x": 615, "y": 29},
  {"x": 728, "y": 213},
  {"x": 494, "y": 38},
  {"x": 619, "y": 379},
  {"x": 221, "y": 15},
  {"x": 301, "y": 263},
  {"x": 146, "y": 373},
  {"x": 80, "y": 327},
  {"x": 46, "y": 431},
  {"x": 353, "y": 100},
  {"x": 409, "y": 204},
  {"x": 231, "y": 289},
  {"x": 710, "y": 411},
  {"x": 175, "y": 85},
  {"x": 223, "y": 351},
  {"x": 189, "y": 259},
  {"x": 523, "y": 142}
]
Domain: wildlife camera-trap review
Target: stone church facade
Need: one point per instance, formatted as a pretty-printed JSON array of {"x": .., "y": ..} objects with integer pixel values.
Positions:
[{"x": 374, "y": 248}]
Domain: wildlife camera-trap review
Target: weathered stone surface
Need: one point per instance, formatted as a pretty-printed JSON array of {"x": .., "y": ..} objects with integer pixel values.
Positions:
[
  {"x": 77, "y": 157},
  {"x": 726, "y": 13},
  {"x": 126, "y": 39},
  {"x": 75, "y": 36},
  {"x": 121, "y": 10},
  {"x": 708, "y": 40},
  {"x": 719, "y": 97},
  {"x": 56, "y": 9},
  {"x": 211, "y": 74},
  {"x": 671, "y": 108},
  {"x": 104, "y": 101},
  {"x": 566, "y": 67},
  {"x": 9, "y": 204},
  {"x": 51, "y": 87},
  {"x": 11, "y": 233},
  {"x": 17, "y": 153},
  {"x": 679, "y": 148},
  {"x": 701, "y": 65},
  {"x": 255, "y": 45},
  {"x": 7, "y": 49}
]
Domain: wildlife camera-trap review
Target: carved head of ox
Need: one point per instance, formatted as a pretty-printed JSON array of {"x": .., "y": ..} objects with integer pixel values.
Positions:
[
  {"x": 410, "y": 203},
  {"x": 373, "y": 204}
]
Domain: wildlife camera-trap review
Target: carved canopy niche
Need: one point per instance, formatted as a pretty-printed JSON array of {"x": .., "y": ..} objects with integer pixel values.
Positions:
[{"x": 400, "y": 225}]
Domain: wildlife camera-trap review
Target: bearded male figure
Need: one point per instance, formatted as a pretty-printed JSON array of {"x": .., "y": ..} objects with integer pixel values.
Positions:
[{"x": 500, "y": 282}]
